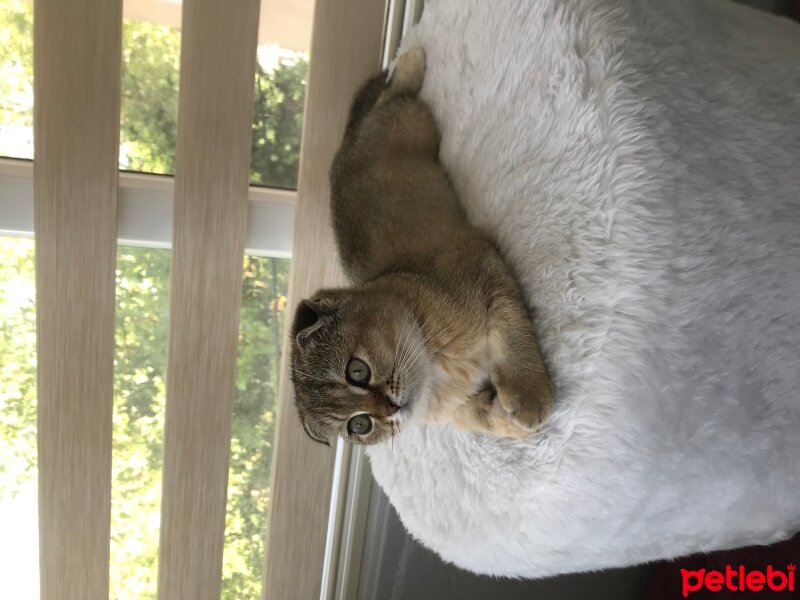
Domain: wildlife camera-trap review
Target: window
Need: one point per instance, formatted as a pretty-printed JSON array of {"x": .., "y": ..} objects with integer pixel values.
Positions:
[
  {"x": 140, "y": 379},
  {"x": 140, "y": 387},
  {"x": 16, "y": 79},
  {"x": 150, "y": 78},
  {"x": 18, "y": 487},
  {"x": 140, "y": 362}
]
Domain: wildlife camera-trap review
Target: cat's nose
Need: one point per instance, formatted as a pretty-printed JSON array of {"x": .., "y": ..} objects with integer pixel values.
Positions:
[{"x": 391, "y": 407}]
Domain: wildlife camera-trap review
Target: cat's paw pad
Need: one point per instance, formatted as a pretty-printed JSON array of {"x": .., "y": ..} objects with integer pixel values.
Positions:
[{"x": 408, "y": 72}]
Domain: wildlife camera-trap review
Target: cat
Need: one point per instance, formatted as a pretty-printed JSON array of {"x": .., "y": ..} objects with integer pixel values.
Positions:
[{"x": 434, "y": 328}]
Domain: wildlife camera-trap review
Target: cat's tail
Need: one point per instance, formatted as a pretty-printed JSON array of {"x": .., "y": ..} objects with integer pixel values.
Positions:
[{"x": 407, "y": 74}]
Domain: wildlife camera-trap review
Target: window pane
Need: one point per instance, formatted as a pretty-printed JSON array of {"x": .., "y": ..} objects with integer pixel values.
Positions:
[
  {"x": 151, "y": 60},
  {"x": 140, "y": 376},
  {"x": 278, "y": 116},
  {"x": 150, "y": 78},
  {"x": 284, "y": 36},
  {"x": 18, "y": 485},
  {"x": 150, "y": 65},
  {"x": 16, "y": 78},
  {"x": 138, "y": 424},
  {"x": 266, "y": 283},
  {"x": 139, "y": 398}
]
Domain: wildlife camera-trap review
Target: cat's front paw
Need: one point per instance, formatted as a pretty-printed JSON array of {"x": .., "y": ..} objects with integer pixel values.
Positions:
[{"x": 527, "y": 408}]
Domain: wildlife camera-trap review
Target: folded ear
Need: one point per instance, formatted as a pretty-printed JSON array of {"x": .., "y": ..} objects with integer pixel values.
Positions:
[
  {"x": 310, "y": 316},
  {"x": 307, "y": 320}
]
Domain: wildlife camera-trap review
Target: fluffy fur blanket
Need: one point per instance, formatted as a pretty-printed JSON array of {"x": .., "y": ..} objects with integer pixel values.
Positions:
[{"x": 638, "y": 163}]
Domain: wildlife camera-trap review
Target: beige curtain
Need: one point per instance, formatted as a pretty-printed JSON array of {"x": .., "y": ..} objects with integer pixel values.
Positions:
[
  {"x": 218, "y": 49},
  {"x": 76, "y": 125}
]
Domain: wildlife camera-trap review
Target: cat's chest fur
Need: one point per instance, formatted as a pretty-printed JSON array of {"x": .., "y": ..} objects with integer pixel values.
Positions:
[{"x": 460, "y": 370}]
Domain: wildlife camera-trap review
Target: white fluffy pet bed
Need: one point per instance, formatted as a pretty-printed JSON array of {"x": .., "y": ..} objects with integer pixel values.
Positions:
[{"x": 639, "y": 164}]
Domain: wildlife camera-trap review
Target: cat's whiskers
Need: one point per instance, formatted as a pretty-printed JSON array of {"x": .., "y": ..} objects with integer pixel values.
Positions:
[
  {"x": 400, "y": 333},
  {"x": 408, "y": 361},
  {"x": 440, "y": 329},
  {"x": 405, "y": 336},
  {"x": 414, "y": 353},
  {"x": 400, "y": 341},
  {"x": 420, "y": 350},
  {"x": 410, "y": 316},
  {"x": 412, "y": 347}
]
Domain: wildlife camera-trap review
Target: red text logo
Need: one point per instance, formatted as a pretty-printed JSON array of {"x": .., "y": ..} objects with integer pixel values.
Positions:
[{"x": 738, "y": 580}]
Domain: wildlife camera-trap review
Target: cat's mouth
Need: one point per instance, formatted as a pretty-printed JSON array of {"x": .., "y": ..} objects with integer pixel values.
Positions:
[
  {"x": 399, "y": 404},
  {"x": 397, "y": 409}
]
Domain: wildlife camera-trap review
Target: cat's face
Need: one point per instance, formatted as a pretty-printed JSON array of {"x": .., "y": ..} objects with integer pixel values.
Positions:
[{"x": 358, "y": 361}]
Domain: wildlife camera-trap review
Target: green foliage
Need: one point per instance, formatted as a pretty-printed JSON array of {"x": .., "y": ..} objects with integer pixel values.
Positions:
[
  {"x": 151, "y": 57},
  {"x": 148, "y": 133},
  {"x": 150, "y": 62},
  {"x": 266, "y": 282},
  {"x": 140, "y": 375},
  {"x": 277, "y": 123},
  {"x": 17, "y": 368},
  {"x": 139, "y": 398},
  {"x": 16, "y": 75},
  {"x": 16, "y": 56}
]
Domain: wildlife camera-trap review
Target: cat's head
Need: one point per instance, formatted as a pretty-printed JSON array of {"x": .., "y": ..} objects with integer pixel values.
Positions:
[{"x": 358, "y": 361}]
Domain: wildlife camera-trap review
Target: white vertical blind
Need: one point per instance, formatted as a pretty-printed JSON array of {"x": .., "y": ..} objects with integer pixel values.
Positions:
[
  {"x": 345, "y": 49},
  {"x": 77, "y": 57},
  {"x": 77, "y": 86},
  {"x": 210, "y": 219}
]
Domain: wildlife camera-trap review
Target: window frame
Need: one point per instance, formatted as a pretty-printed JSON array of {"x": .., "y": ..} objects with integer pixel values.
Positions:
[
  {"x": 145, "y": 210},
  {"x": 353, "y": 503}
]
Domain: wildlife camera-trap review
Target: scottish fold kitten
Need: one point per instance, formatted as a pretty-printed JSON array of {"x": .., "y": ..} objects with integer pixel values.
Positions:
[{"x": 434, "y": 327}]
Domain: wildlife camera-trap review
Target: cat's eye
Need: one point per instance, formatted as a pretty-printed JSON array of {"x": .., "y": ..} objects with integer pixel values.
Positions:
[
  {"x": 357, "y": 372},
  {"x": 359, "y": 425}
]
